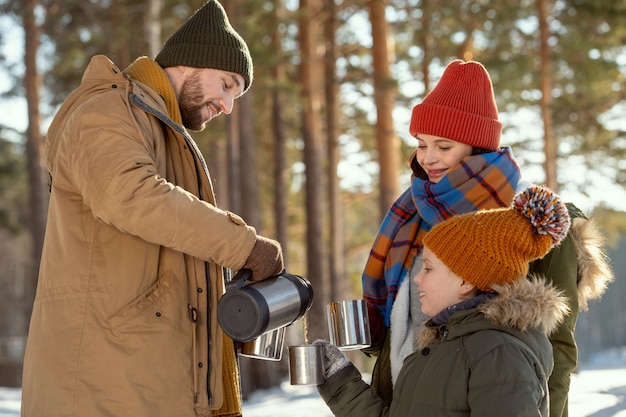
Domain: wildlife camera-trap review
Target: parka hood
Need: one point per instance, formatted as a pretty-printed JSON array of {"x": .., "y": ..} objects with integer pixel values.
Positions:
[
  {"x": 98, "y": 77},
  {"x": 101, "y": 76},
  {"x": 527, "y": 304},
  {"x": 594, "y": 270}
]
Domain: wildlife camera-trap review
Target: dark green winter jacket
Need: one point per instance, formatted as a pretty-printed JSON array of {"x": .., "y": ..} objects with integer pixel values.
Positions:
[
  {"x": 579, "y": 268},
  {"x": 491, "y": 360}
]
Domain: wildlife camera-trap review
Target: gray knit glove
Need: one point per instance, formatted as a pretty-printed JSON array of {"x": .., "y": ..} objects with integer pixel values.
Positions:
[{"x": 334, "y": 359}]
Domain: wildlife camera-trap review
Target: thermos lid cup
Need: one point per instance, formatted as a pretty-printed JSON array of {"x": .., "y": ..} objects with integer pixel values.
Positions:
[
  {"x": 348, "y": 324},
  {"x": 268, "y": 346},
  {"x": 306, "y": 365}
]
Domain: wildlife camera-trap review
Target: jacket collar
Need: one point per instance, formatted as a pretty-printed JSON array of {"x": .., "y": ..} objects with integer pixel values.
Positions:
[{"x": 147, "y": 71}]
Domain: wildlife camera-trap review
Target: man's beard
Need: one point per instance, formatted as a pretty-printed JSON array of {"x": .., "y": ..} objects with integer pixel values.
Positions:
[{"x": 191, "y": 104}]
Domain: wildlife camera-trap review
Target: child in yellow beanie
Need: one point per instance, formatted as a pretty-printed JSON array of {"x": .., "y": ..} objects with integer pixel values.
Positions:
[{"x": 485, "y": 349}]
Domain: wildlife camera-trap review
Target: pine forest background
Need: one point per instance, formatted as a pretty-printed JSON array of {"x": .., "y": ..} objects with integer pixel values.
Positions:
[{"x": 317, "y": 150}]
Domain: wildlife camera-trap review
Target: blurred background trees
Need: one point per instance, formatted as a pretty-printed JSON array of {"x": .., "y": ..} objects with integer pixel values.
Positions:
[{"x": 316, "y": 151}]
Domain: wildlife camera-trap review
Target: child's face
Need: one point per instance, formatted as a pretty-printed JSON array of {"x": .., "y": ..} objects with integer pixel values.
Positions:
[
  {"x": 438, "y": 286},
  {"x": 438, "y": 155}
]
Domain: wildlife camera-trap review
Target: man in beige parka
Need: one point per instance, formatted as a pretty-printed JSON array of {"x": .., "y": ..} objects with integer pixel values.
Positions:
[{"x": 124, "y": 320}]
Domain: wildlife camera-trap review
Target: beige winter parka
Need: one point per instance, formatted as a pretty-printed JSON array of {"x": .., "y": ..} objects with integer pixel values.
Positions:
[{"x": 124, "y": 321}]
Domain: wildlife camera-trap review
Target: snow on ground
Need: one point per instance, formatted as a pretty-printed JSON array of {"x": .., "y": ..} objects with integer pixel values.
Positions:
[{"x": 597, "y": 390}]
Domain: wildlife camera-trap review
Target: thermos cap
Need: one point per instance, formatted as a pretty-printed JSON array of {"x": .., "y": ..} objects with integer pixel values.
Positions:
[
  {"x": 241, "y": 314},
  {"x": 249, "y": 309}
]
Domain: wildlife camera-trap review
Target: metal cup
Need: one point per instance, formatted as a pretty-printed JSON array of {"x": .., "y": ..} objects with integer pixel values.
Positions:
[
  {"x": 306, "y": 365},
  {"x": 268, "y": 346},
  {"x": 348, "y": 324}
]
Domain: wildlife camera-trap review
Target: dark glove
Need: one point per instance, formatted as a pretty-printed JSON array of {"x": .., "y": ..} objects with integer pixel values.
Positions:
[
  {"x": 265, "y": 260},
  {"x": 334, "y": 359}
]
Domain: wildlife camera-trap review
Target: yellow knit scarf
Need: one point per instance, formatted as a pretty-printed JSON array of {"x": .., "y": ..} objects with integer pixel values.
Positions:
[
  {"x": 232, "y": 405},
  {"x": 147, "y": 71}
]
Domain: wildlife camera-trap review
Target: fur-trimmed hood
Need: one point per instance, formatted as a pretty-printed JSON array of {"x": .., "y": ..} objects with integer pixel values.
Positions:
[
  {"x": 594, "y": 271},
  {"x": 526, "y": 304}
]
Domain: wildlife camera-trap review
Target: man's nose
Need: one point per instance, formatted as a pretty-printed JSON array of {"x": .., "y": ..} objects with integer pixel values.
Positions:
[{"x": 227, "y": 104}]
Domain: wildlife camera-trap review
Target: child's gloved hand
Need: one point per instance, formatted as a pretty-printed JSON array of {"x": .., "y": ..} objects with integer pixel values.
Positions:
[{"x": 334, "y": 359}]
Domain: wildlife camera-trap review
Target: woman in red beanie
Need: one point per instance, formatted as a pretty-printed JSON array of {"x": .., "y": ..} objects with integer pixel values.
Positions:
[{"x": 460, "y": 167}]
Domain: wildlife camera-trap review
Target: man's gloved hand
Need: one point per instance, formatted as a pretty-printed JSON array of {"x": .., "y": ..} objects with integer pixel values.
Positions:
[
  {"x": 265, "y": 260},
  {"x": 334, "y": 359}
]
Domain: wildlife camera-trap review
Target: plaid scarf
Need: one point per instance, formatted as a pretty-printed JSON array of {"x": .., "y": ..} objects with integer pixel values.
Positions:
[{"x": 479, "y": 182}]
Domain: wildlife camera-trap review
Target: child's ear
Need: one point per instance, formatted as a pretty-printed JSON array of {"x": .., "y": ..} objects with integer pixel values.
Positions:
[{"x": 467, "y": 289}]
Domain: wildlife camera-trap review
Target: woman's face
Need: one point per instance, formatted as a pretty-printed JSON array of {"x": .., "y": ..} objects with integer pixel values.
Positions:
[
  {"x": 438, "y": 155},
  {"x": 437, "y": 285}
]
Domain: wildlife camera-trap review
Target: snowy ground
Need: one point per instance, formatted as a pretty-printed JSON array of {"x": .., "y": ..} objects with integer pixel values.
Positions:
[{"x": 598, "y": 390}]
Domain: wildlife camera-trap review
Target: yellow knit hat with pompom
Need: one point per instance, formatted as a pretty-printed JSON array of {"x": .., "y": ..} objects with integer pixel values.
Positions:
[{"x": 495, "y": 246}]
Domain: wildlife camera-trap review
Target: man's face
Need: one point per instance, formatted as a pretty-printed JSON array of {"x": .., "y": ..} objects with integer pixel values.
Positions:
[{"x": 206, "y": 93}]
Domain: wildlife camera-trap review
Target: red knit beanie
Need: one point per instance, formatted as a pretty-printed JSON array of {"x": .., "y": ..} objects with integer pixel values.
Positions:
[{"x": 461, "y": 107}]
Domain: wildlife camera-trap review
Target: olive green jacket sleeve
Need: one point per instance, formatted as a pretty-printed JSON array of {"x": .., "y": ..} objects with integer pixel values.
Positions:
[
  {"x": 559, "y": 266},
  {"x": 346, "y": 394},
  {"x": 382, "y": 384},
  {"x": 580, "y": 268}
]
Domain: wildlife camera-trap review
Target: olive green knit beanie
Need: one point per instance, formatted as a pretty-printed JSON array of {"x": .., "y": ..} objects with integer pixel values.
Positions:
[{"x": 207, "y": 40}]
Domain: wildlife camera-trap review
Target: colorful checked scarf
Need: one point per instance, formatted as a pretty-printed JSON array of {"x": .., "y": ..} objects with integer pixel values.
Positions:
[{"x": 479, "y": 182}]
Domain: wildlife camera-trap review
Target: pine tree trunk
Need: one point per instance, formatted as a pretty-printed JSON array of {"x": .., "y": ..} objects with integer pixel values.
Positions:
[
  {"x": 280, "y": 151},
  {"x": 388, "y": 143},
  {"x": 233, "y": 151},
  {"x": 152, "y": 27},
  {"x": 337, "y": 269},
  {"x": 426, "y": 44},
  {"x": 310, "y": 68},
  {"x": 545, "y": 103},
  {"x": 248, "y": 176},
  {"x": 37, "y": 205},
  {"x": 245, "y": 200}
]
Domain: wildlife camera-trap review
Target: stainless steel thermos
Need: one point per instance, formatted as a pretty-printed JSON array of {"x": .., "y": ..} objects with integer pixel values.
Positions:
[{"x": 248, "y": 310}]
